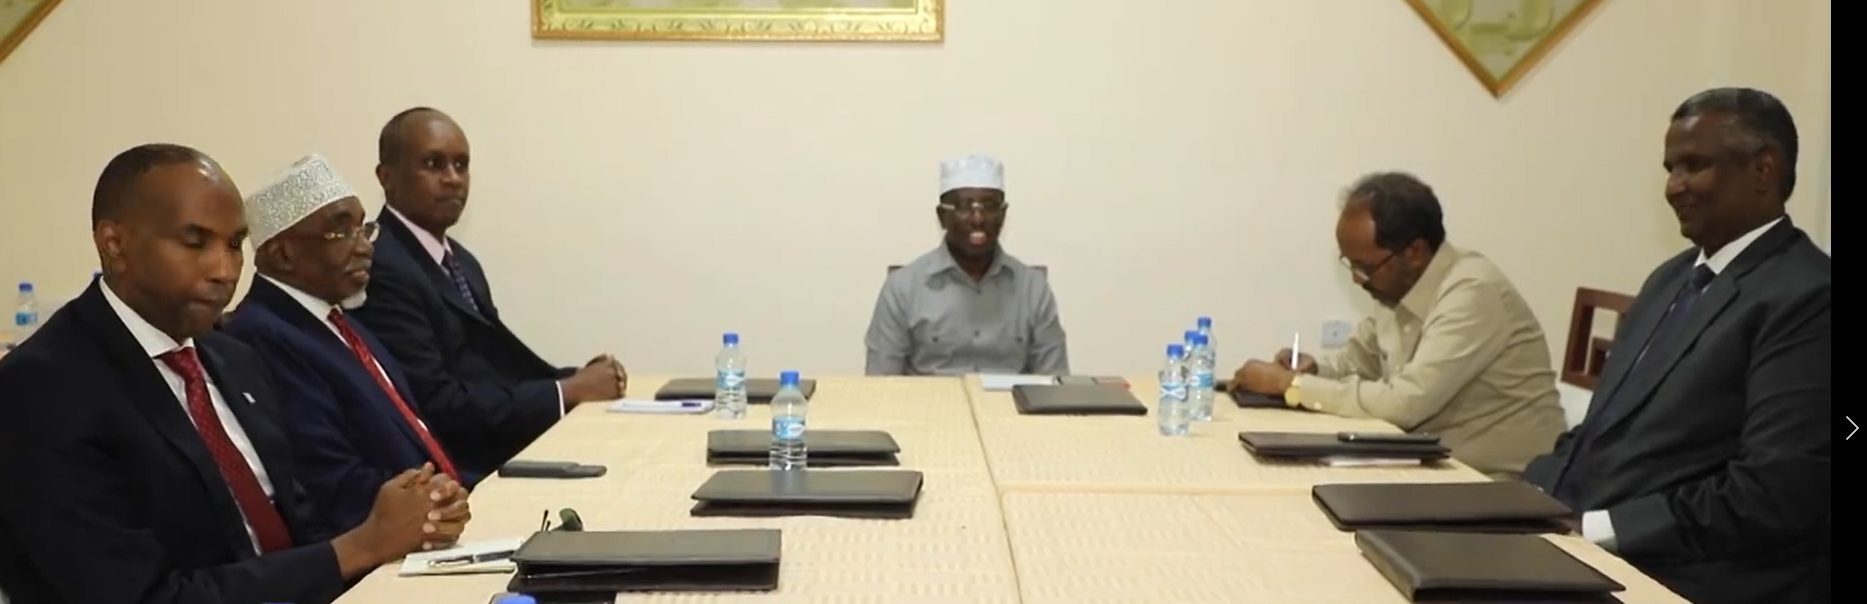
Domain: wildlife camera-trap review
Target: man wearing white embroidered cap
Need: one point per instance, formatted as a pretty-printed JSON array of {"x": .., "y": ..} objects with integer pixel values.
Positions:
[
  {"x": 967, "y": 306},
  {"x": 353, "y": 422}
]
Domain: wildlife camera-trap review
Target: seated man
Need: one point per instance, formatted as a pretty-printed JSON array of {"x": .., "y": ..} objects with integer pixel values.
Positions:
[
  {"x": 967, "y": 306},
  {"x": 1705, "y": 458},
  {"x": 484, "y": 392},
  {"x": 1457, "y": 353},
  {"x": 352, "y": 421},
  {"x": 147, "y": 460}
]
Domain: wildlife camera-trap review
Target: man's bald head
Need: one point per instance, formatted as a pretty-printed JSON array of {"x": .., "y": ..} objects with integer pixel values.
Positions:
[{"x": 392, "y": 142}]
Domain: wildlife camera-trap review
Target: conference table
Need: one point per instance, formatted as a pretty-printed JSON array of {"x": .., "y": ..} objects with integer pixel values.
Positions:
[{"x": 1015, "y": 508}]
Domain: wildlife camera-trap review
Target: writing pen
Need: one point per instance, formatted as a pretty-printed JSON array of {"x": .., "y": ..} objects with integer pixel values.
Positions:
[
  {"x": 472, "y": 558},
  {"x": 1296, "y": 349}
]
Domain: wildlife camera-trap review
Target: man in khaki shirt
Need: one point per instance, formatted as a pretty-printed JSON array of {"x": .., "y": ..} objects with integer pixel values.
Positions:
[{"x": 1457, "y": 353}]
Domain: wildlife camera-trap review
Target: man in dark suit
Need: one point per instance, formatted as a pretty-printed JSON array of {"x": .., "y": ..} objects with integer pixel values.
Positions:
[
  {"x": 146, "y": 460},
  {"x": 353, "y": 421},
  {"x": 1704, "y": 458},
  {"x": 484, "y": 392}
]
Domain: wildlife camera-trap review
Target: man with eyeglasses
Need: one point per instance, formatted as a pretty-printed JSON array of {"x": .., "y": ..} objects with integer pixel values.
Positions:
[
  {"x": 352, "y": 420},
  {"x": 1456, "y": 351},
  {"x": 967, "y": 306}
]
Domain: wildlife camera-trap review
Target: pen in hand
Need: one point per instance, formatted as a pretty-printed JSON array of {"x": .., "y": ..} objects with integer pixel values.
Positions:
[{"x": 1296, "y": 349}]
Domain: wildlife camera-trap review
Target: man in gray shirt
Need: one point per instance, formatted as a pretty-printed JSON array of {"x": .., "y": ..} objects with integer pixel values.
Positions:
[{"x": 967, "y": 306}]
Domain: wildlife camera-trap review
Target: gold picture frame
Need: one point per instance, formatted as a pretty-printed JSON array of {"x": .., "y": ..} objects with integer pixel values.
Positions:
[
  {"x": 756, "y": 20},
  {"x": 17, "y": 18},
  {"x": 1501, "y": 40}
]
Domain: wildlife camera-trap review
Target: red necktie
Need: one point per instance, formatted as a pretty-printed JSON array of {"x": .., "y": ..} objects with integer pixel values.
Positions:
[
  {"x": 362, "y": 351},
  {"x": 268, "y": 526}
]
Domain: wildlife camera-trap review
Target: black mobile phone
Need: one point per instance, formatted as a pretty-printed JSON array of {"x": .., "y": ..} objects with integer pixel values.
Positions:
[
  {"x": 1394, "y": 438},
  {"x": 526, "y": 468}
]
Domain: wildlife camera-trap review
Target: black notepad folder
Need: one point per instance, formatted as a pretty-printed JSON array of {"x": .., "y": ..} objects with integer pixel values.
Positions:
[
  {"x": 827, "y": 448},
  {"x": 616, "y": 561},
  {"x": 885, "y": 494},
  {"x": 1478, "y": 567},
  {"x": 758, "y": 390},
  {"x": 1487, "y": 507}
]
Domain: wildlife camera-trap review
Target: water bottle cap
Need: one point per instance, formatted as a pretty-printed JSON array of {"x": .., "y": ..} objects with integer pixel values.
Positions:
[
  {"x": 1200, "y": 339},
  {"x": 1189, "y": 336},
  {"x": 1176, "y": 350},
  {"x": 730, "y": 338},
  {"x": 1204, "y": 323},
  {"x": 517, "y": 599},
  {"x": 787, "y": 378},
  {"x": 25, "y": 287}
]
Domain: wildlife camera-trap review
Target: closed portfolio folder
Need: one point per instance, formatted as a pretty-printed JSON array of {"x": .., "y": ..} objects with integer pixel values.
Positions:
[
  {"x": 1305, "y": 445},
  {"x": 1076, "y": 400},
  {"x": 616, "y": 561},
  {"x": 888, "y": 494},
  {"x": 758, "y": 390},
  {"x": 826, "y": 447},
  {"x": 1502, "y": 506},
  {"x": 1480, "y": 567}
]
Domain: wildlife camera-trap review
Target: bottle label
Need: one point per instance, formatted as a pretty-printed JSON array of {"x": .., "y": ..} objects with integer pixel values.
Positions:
[
  {"x": 24, "y": 318},
  {"x": 729, "y": 380},
  {"x": 1203, "y": 380},
  {"x": 1173, "y": 391},
  {"x": 787, "y": 428}
]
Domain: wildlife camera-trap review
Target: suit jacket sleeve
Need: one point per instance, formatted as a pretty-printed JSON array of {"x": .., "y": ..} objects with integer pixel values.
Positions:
[
  {"x": 341, "y": 481},
  {"x": 454, "y": 405},
  {"x": 1776, "y": 492},
  {"x": 84, "y": 531}
]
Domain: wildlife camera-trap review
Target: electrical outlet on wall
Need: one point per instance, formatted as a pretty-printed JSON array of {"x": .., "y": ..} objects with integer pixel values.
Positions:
[{"x": 1335, "y": 333}]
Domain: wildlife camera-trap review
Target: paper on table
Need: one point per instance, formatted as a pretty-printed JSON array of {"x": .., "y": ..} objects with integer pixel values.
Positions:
[
  {"x": 1346, "y": 462},
  {"x": 996, "y": 382},
  {"x": 650, "y": 406},
  {"x": 417, "y": 564}
]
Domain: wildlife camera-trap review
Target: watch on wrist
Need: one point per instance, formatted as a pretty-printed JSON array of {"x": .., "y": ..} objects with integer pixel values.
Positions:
[{"x": 1293, "y": 394}]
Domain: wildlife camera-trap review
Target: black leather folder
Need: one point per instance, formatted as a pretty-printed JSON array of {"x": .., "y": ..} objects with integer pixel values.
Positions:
[
  {"x": 558, "y": 562},
  {"x": 827, "y": 448},
  {"x": 1305, "y": 445},
  {"x": 758, "y": 390},
  {"x": 1475, "y": 507},
  {"x": 1251, "y": 400},
  {"x": 884, "y": 494},
  {"x": 1076, "y": 400},
  {"x": 1478, "y": 567}
]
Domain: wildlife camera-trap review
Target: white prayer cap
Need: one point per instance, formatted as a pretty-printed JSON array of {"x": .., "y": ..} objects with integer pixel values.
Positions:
[
  {"x": 308, "y": 185},
  {"x": 975, "y": 170}
]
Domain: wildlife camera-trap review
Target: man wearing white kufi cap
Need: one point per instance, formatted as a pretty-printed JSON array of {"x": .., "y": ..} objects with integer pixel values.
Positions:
[
  {"x": 967, "y": 306},
  {"x": 353, "y": 422}
]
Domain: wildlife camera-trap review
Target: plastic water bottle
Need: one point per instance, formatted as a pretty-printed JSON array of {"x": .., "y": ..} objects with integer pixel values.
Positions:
[
  {"x": 788, "y": 409},
  {"x": 729, "y": 379},
  {"x": 1172, "y": 411},
  {"x": 1212, "y": 342},
  {"x": 1199, "y": 380},
  {"x": 25, "y": 314}
]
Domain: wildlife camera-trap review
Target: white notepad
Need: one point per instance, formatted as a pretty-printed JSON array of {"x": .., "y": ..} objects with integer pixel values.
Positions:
[
  {"x": 688, "y": 406},
  {"x": 422, "y": 563},
  {"x": 999, "y": 382}
]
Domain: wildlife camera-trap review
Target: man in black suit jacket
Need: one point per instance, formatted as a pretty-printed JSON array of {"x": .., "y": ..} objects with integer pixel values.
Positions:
[
  {"x": 146, "y": 460},
  {"x": 484, "y": 392},
  {"x": 1705, "y": 456}
]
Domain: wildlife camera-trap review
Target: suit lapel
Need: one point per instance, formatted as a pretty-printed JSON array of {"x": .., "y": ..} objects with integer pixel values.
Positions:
[
  {"x": 276, "y": 302},
  {"x": 1621, "y": 359},
  {"x": 1664, "y": 356},
  {"x": 262, "y": 431},
  {"x": 150, "y": 394},
  {"x": 404, "y": 236}
]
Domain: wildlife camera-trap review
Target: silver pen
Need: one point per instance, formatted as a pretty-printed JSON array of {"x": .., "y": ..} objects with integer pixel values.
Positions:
[{"x": 471, "y": 558}]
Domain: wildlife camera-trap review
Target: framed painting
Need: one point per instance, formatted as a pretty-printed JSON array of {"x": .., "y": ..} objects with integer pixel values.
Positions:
[
  {"x": 17, "y": 18},
  {"x": 1500, "y": 40},
  {"x": 767, "y": 20}
]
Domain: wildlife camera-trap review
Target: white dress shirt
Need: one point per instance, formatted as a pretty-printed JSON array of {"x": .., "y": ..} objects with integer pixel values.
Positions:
[
  {"x": 438, "y": 249},
  {"x": 155, "y": 344},
  {"x": 1597, "y": 526}
]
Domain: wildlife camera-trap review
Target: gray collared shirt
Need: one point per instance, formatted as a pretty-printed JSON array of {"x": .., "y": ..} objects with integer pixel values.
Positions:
[{"x": 933, "y": 319}]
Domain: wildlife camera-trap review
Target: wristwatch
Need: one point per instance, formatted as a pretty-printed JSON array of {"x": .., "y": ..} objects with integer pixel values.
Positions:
[{"x": 1293, "y": 395}]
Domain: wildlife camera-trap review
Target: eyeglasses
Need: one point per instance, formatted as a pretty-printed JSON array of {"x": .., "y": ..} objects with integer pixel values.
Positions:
[
  {"x": 1365, "y": 273},
  {"x": 988, "y": 210},
  {"x": 367, "y": 231}
]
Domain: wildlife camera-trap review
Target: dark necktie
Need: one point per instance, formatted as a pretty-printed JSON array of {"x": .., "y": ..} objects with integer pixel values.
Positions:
[
  {"x": 452, "y": 264},
  {"x": 268, "y": 526},
  {"x": 363, "y": 354},
  {"x": 1676, "y": 315}
]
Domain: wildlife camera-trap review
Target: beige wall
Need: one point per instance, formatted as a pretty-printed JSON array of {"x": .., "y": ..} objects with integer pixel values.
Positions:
[{"x": 1166, "y": 158}]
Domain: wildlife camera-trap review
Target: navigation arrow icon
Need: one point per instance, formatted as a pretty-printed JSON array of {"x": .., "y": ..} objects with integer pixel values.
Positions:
[{"x": 1857, "y": 427}]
